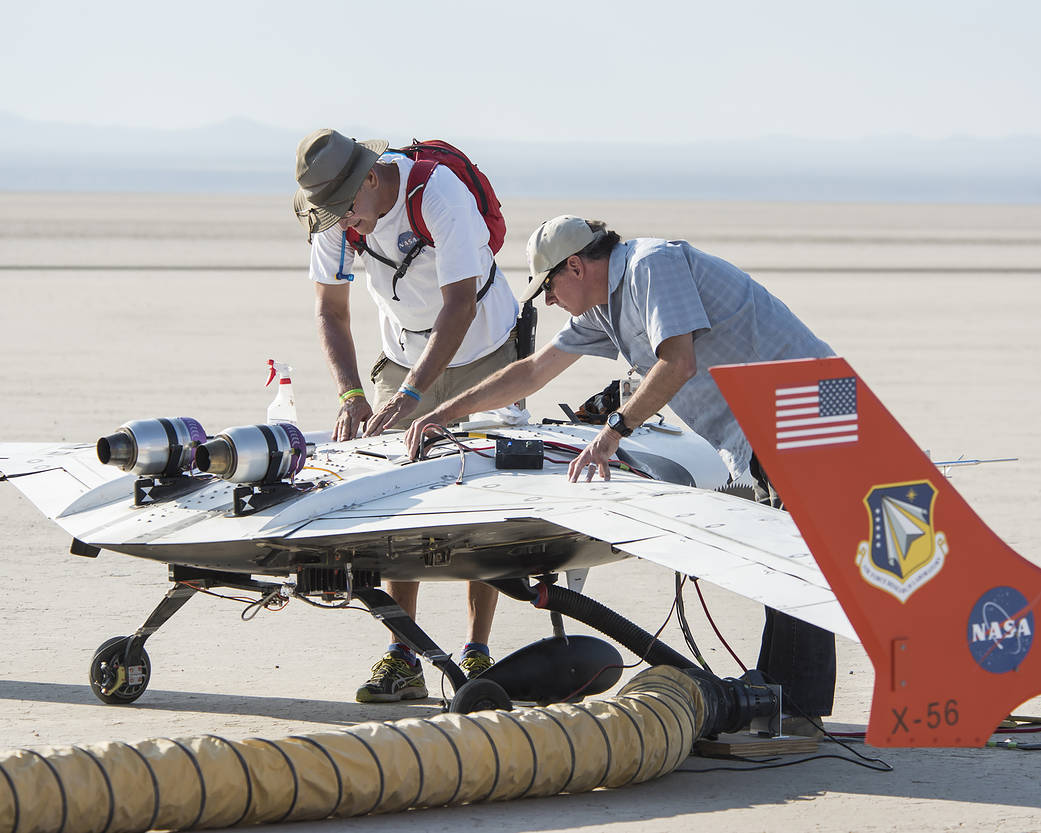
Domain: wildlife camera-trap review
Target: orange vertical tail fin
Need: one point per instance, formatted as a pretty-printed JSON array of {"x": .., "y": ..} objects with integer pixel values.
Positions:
[{"x": 944, "y": 608}]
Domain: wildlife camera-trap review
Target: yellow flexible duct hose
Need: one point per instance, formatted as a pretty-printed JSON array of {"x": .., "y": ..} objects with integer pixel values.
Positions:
[{"x": 644, "y": 732}]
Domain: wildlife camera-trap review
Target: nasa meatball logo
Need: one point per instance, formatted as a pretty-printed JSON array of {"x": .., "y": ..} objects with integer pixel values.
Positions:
[
  {"x": 1001, "y": 630},
  {"x": 406, "y": 240}
]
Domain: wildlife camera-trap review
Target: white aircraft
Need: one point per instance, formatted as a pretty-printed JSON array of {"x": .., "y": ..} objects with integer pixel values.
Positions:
[{"x": 270, "y": 509}]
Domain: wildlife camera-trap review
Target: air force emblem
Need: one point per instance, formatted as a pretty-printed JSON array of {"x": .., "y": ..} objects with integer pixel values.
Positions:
[{"x": 905, "y": 551}]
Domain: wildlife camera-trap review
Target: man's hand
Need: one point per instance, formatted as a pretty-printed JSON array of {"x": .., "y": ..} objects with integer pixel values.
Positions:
[
  {"x": 595, "y": 457},
  {"x": 416, "y": 431},
  {"x": 351, "y": 418},
  {"x": 399, "y": 406}
]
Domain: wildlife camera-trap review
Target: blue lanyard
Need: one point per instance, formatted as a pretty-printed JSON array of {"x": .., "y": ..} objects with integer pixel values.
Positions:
[{"x": 340, "y": 276}]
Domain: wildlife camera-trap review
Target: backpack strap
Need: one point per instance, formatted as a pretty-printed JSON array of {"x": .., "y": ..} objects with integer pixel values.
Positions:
[
  {"x": 487, "y": 285},
  {"x": 417, "y": 181},
  {"x": 413, "y": 253},
  {"x": 357, "y": 242}
]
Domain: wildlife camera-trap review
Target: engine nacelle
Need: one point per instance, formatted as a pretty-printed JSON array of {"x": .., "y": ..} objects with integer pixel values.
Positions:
[
  {"x": 162, "y": 447},
  {"x": 254, "y": 454}
]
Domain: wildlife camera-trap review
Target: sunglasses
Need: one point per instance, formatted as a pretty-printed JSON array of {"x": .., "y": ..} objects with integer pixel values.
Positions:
[{"x": 547, "y": 282}]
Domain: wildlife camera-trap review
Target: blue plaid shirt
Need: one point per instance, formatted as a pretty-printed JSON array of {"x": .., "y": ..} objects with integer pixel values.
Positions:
[{"x": 659, "y": 289}]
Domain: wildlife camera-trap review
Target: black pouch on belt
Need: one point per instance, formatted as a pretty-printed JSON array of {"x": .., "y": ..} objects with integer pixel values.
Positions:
[{"x": 526, "y": 322}]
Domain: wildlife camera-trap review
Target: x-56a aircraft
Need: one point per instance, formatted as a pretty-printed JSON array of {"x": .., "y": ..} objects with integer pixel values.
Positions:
[{"x": 943, "y": 607}]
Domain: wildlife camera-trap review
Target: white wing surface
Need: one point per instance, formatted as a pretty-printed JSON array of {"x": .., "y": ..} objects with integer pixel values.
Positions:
[{"x": 452, "y": 517}]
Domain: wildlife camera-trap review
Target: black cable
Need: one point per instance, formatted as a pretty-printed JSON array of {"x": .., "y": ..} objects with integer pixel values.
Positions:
[
  {"x": 882, "y": 766},
  {"x": 623, "y": 666},
  {"x": 346, "y": 605},
  {"x": 817, "y": 724},
  {"x": 681, "y": 617}
]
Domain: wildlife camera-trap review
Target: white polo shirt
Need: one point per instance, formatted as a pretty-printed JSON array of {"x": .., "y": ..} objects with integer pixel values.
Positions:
[{"x": 460, "y": 251}]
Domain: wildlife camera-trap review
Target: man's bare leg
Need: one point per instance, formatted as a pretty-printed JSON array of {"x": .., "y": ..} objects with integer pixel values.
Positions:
[
  {"x": 405, "y": 594},
  {"x": 481, "y": 600}
]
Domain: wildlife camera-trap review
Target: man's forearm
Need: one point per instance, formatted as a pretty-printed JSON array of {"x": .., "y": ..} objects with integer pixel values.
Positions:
[
  {"x": 674, "y": 368},
  {"x": 519, "y": 379}
]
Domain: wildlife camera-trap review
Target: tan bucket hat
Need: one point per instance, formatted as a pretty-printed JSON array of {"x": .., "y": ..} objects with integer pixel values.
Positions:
[
  {"x": 330, "y": 169},
  {"x": 550, "y": 245}
]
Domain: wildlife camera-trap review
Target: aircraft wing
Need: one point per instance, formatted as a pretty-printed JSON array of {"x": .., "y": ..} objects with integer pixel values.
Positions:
[{"x": 426, "y": 521}]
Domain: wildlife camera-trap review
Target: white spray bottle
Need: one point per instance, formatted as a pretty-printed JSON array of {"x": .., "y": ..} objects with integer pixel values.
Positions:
[{"x": 283, "y": 406}]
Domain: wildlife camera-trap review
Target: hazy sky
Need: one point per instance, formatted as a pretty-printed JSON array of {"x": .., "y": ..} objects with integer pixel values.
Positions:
[{"x": 534, "y": 70}]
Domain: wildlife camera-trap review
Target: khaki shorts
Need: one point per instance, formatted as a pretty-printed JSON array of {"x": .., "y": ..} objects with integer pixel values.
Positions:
[{"x": 388, "y": 376}]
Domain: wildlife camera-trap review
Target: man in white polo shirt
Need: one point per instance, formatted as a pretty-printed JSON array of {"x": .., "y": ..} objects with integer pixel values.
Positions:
[{"x": 446, "y": 323}]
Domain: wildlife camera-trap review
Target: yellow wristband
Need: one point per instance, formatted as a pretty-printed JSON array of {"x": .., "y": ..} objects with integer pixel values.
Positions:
[{"x": 351, "y": 394}]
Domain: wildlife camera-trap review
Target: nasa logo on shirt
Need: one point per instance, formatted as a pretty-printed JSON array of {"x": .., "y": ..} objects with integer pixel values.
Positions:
[
  {"x": 1000, "y": 630},
  {"x": 406, "y": 240}
]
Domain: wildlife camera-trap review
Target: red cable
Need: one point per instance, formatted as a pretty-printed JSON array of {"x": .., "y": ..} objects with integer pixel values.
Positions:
[{"x": 719, "y": 636}]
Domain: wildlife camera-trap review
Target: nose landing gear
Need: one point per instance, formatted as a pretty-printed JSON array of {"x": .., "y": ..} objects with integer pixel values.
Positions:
[{"x": 119, "y": 672}]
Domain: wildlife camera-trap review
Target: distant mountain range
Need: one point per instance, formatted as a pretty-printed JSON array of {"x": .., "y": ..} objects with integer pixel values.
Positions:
[{"x": 242, "y": 156}]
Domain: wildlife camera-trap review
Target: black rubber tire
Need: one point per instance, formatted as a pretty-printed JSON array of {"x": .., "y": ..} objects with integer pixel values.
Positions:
[
  {"x": 478, "y": 695},
  {"x": 111, "y": 651}
]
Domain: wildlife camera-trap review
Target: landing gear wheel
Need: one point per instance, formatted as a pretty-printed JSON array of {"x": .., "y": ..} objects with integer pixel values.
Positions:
[
  {"x": 479, "y": 695},
  {"x": 111, "y": 680}
]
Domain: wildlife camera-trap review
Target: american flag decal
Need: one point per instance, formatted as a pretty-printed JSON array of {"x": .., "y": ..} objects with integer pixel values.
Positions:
[{"x": 820, "y": 414}]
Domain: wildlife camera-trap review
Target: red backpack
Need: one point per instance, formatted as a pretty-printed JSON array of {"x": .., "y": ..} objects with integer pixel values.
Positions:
[{"x": 427, "y": 156}]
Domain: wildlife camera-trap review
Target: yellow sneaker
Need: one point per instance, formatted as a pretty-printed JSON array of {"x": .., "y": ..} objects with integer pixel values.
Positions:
[
  {"x": 475, "y": 663},
  {"x": 393, "y": 678}
]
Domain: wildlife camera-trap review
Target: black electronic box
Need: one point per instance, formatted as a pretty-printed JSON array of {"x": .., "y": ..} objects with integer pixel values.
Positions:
[{"x": 518, "y": 454}]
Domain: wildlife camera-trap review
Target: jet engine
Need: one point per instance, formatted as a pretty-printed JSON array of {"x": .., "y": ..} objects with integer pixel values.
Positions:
[
  {"x": 153, "y": 447},
  {"x": 255, "y": 454}
]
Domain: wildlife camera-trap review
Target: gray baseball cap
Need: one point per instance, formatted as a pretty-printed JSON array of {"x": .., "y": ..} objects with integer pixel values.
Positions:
[
  {"x": 330, "y": 169},
  {"x": 552, "y": 243}
]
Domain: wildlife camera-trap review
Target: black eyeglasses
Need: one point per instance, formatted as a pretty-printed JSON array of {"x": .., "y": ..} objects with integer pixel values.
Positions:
[{"x": 550, "y": 275}]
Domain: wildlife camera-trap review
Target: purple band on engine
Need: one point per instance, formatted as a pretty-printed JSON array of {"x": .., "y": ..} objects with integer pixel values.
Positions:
[
  {"x": 299, "y": 445},
  {"x": 196, "y": 437}
]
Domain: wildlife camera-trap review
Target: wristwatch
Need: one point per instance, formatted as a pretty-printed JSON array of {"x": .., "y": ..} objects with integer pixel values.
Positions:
[{"x": 616, "y": 422}]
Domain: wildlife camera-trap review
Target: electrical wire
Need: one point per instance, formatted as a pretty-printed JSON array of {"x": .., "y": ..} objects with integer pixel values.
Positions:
[
  {"x": 344, "y": 605},
  {"x": 859, "y": 759},
  {"x": 681, "y": 617},
  {"x": 876, "y": 764},
  {"x": 247, "y": 600},
  {"x": 624, "y": 666},
  {"x": 327, "y": 471},
  {"x": 445, "y": 434},
  {"x": 712, "y": 622},
  {"x": 463, "y": 449},
  {"x": 271, "y": 601}
]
